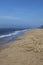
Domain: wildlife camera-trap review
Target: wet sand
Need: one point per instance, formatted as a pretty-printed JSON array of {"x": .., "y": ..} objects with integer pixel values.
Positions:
[{"x": 25, "y": 50}]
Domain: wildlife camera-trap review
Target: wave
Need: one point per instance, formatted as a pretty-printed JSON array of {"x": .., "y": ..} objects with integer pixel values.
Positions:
[{"x": 11, "y": 34}]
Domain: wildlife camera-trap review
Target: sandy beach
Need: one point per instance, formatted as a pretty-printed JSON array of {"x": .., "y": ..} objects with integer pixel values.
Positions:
[{"x": 25, "y": 50}]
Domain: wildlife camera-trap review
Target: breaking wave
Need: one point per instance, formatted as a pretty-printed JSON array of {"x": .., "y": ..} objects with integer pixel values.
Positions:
[{"x": 12, "y": 34}]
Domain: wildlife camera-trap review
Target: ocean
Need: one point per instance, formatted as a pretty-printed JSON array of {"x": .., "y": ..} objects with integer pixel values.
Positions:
[{"x": 6, "y": 36}]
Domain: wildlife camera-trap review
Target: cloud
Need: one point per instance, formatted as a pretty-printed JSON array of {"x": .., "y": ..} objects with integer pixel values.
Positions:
[{"x": 9, "y": 17}]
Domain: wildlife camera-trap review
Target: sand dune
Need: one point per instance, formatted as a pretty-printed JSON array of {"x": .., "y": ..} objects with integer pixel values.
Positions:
[{"x": 25, "y": 50}]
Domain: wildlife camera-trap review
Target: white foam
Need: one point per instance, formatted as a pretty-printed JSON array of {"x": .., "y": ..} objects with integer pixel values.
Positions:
[{"x": 14, "y": 33}]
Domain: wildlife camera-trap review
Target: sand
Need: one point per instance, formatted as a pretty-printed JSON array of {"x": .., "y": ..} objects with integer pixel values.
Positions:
[{"x": 25, "y": 50}]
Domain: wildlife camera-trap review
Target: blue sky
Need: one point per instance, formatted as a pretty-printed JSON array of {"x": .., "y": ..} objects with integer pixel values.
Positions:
[{"x": 21, "y": 13}]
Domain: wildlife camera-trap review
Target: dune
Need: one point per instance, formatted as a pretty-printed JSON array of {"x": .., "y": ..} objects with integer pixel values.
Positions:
[{"x": 25, "y": 50}]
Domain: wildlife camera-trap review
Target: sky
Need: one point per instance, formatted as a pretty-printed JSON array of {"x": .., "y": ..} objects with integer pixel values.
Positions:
[{"x": 21, "y": 13}]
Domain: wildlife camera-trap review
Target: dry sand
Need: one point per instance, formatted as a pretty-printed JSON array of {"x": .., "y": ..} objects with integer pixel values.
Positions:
[{"x": 25, "y": 50}]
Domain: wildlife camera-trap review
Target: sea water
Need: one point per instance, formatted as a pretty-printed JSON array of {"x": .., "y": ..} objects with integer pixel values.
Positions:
[{"x": 8, "y": 37}]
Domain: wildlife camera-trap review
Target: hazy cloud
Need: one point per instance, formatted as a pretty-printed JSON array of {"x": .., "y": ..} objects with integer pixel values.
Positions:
[{"x": 9, "y": 17}]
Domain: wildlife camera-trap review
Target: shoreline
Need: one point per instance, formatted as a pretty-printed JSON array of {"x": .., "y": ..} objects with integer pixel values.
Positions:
[
  {"x": 27, "y": 49},
  {"x": 10, "y": 37},
  {"x": 7, "y": 44}
]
